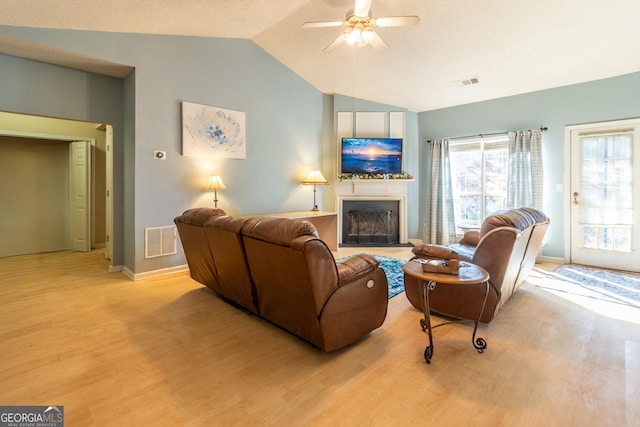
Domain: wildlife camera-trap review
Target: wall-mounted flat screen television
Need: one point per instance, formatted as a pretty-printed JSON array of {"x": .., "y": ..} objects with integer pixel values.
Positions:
[{"x": 371, "y": 155}]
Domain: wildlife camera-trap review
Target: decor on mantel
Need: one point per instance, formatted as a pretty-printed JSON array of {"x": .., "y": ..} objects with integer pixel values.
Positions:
[{"x": 401, "y": 175}]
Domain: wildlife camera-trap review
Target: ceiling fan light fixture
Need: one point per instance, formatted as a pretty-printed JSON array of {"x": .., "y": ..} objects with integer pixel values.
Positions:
[
  {"x": 354, "y": 37},
  {"x": 359, "y": 36},
  {"x": 367, "y": 35},
  {"x": 360, "y": 25}
]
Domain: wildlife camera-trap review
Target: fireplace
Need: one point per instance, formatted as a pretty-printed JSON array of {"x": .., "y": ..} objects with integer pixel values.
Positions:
[
  {"x": 372, "y": 212},
  {"x": 373, "y": 222}
]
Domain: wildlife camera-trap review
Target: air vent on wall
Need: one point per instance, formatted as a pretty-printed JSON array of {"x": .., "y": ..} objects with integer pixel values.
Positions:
[
  {"x": 159, "y": 241},
  {"x": 467, "y": 82}
]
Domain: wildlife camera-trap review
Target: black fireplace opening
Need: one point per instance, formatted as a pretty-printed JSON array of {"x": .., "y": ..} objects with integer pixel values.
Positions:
[{"x": 370, "y": 223}]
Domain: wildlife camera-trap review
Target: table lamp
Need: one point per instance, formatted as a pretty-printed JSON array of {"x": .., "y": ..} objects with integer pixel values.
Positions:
[
  {"x": 315, "y": 178},
  {"x": 215, "y": 182}
]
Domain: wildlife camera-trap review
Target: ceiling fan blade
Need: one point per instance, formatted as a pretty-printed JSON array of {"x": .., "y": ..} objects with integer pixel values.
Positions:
[
  {"x": 322, "y": 24},
  {"x": 397, "y": 21},
  {"x": 362, "y": 7},
  {"x": 337, "y": 42},
  {"x": 378, "y": 43}
]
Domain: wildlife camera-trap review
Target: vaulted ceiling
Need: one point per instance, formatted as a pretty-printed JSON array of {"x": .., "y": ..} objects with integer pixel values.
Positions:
[{"x": 510, "y": 46}]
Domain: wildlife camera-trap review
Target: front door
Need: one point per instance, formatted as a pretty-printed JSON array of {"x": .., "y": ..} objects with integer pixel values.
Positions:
[{"x": 604, "y": 194}]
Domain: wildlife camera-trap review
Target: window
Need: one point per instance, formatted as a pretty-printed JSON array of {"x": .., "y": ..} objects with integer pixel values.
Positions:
[
  {"x": 607, "y": 191},
  {"x": 479, "y": 169}
]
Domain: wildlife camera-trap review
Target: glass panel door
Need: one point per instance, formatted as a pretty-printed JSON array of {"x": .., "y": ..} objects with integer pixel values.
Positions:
[{"x": 604, "y": 214}]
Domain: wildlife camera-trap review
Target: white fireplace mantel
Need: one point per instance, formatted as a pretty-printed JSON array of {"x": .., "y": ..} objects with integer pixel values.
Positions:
[{"x": 374, "y": 189}]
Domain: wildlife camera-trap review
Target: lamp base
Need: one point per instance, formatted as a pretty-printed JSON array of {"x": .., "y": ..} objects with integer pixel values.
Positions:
[{"x": 315, "y": 209}]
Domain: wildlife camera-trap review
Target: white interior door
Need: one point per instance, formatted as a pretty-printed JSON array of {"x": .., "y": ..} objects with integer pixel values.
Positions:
[
  {"x": 604, "y": 191},
  {"x": 80, "y": 196},
  {"x": 109, "y": 202}
]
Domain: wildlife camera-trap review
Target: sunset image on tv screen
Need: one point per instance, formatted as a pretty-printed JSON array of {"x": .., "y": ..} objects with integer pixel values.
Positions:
[{"x": 371, "y": 155}]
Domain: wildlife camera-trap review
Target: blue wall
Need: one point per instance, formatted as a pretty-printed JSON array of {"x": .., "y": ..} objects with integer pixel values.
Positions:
[
  {"x": 284, "y": 114},
  {"x": 602, "y": 100},
  {"x": 37, "y": 88},
  {"x": 290, "y": 126}
]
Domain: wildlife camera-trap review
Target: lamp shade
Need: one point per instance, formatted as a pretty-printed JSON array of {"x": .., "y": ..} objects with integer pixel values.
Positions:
[
  {"x": 315, "y": 177},
  {"x": 215, "y": 183}
]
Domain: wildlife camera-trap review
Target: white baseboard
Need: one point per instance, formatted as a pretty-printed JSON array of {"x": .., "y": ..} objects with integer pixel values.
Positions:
[
  {"x": 553, "y": 259},
  {"x": 115, "y": 268},
  {"x": 154, "y": 273}
]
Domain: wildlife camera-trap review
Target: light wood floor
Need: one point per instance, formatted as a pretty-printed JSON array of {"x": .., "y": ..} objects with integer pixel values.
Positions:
[{"x": 166, "y": 351}]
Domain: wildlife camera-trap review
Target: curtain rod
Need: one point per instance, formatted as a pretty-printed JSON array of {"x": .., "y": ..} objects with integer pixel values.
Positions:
[{"x": 482, "y": 135}]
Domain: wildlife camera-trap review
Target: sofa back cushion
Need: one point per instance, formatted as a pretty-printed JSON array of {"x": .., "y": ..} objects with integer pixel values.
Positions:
[
  {"x": 294, "y": 273},
  {"x": 196, "y": 249},
  {"x": 225, "y": 241},
  {"x": 533, "y": 249},
  {"x": 520, "y": 219}
]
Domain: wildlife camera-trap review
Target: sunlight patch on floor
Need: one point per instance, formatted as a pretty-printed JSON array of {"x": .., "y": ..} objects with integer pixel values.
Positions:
[
  {"x": 615, "y": 311},
  {"x": 632, "y": 380}
]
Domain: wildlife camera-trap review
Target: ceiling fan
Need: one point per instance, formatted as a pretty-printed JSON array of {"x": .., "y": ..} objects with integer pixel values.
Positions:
[{"x": 360, "y": 27}]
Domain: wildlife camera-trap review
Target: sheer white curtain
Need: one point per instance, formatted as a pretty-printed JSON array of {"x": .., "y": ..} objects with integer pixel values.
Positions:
[
  {"x": 439, "y": 224},
  {"x": 524, "y": 181}
]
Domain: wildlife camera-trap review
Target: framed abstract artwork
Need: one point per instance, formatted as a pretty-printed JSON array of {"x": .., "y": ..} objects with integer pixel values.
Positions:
[{"x": 212, "y": 132}]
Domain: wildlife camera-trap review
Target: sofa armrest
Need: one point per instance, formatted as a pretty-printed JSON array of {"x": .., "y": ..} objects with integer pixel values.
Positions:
[
  {"x": 430, "y": 251},
  {"x": 470, "y": 238},
  {"x": 358, "y": 305},
  {"x": 356, "y": 266}
]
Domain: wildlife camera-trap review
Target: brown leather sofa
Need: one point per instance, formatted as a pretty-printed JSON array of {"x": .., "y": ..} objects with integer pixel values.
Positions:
[
  {"x": 506, "y": 246},
  {"x": 279, "y": 269}
]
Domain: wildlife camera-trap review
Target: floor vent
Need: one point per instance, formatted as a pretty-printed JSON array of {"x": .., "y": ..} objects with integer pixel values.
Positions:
[{"x": 159, "y": 241}]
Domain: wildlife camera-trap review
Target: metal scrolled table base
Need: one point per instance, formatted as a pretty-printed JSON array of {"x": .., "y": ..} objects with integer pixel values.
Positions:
[{"x": 425, "y": 323}]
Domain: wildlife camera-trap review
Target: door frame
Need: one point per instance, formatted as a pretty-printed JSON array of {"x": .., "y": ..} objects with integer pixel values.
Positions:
[
  {"x": 567, "y": 172},
  {"x": 67, "y": 138}
]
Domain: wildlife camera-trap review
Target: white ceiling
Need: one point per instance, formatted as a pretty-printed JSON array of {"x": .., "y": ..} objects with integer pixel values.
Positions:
[{"x": 511, "y": 46}]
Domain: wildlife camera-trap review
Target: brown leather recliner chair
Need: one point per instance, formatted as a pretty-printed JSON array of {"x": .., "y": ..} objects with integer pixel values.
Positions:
[{"x": 506, "y": 246}]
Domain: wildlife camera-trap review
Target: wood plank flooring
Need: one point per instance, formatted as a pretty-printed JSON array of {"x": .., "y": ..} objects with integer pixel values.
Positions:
[{"x": 165, "y": 351}]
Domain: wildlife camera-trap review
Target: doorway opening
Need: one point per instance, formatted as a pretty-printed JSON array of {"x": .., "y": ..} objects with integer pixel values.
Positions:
[{"x": 56, "y": 190}]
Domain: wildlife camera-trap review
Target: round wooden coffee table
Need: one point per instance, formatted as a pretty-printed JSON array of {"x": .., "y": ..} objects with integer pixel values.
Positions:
[{"x": 469, "y": 274}]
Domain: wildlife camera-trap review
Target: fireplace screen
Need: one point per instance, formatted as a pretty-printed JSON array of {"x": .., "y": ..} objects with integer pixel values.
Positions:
[{"x": 370, "y": 223}]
